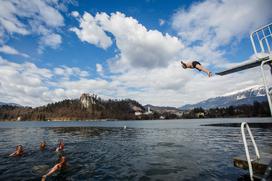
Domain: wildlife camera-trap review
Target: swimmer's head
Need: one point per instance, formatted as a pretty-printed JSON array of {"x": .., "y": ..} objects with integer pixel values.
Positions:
[
  {"x": 19, "y": 150},
  {"x": 19, "y": 147},
  {"x": 62, "y": 159},
  {"x": 42, "y": 145}
]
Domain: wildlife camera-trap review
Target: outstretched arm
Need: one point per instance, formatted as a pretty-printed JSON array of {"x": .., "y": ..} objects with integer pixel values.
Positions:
[
  {"x": 53, "y": 170},
  {"x": 13, "y": 154}
]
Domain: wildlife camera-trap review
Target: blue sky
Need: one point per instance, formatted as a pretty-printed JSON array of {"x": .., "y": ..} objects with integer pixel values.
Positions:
[{"x": 51, "y": 49}]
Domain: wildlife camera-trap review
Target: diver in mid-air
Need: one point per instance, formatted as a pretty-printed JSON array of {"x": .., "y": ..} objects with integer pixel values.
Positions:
[{"x": 196, "y": 65}]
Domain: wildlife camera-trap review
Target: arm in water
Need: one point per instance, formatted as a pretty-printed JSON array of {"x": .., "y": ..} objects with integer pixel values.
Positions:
[{"x": 57, "y": 167}]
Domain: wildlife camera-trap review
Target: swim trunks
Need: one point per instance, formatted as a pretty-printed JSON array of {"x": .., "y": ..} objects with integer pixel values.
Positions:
[{"x": 194, "y": 63}]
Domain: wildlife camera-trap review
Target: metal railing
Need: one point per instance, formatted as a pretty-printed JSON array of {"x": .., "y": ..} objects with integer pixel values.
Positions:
[
  {"x": 261, "y": 40},
  {"x": 262, "y": 37},
  {"x": 243, "y": 125},
  {"x": 268, "y": 92}
]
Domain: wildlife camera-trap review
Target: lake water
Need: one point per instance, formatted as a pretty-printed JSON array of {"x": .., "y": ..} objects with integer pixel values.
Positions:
[{"x": 145, "y": 150}]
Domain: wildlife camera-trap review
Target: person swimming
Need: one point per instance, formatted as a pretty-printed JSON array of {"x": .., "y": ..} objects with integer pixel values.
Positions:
[
  {"x": 58, "y": 166},
  {"x": 60, "y": 146},
  {"x": 196, "y": 65},
  {"x": 18, "y": 152},
  {"x": 42, "y": 145}
]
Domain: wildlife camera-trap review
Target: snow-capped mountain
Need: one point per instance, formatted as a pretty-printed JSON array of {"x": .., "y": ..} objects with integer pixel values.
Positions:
[
  {"x": 160, "y": 108},
  {"x": 246, "y": 96},
  {"x": 9, "y": 104}
]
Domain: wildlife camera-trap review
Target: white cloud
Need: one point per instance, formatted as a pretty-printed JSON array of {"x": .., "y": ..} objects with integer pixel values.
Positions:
[
  {"x": 99, "y": 69},
  {"x": 8, "y": 19},
  {"x": 219, "y": 22},
  {"x": 12, "y": 51},
  {"x": 90, "y": 32},
  {"x": 51, "y": 40},
  {"x": 68, "y": 72},
  {"x": 26, "y": 17},
  {"x": 75, "y": 14},
  {"x": 84, "y": 85},
  {"x": 22, "y": 83},
  {"x": 37, "y": 11},
  {"x": 139, "y": 47},
  {"x": 29, "y": 85}
]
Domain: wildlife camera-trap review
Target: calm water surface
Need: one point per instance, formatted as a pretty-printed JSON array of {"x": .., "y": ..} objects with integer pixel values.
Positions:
[{"x": 145, "y": 150}]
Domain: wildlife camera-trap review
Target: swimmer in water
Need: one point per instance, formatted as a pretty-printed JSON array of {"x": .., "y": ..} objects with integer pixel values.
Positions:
[
  {"x": 18, "y": 152},
  {"x": 58, "y": 166},
  {"x": 196, "y": 65},
  {"x": 60, "y": 146},
  {"x": 42, "y": 145}
]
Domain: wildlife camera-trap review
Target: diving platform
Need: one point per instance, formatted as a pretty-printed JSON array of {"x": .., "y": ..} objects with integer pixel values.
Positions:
[{"x": 246, "y": 65}]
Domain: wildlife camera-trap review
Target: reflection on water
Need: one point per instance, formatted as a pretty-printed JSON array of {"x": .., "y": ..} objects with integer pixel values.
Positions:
[{"x": 136, "y": 153}]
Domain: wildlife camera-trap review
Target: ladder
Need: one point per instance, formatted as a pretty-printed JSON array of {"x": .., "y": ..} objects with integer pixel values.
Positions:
[
  {"x": 259, "y": 167},
  {"x": 249, "y": 160}
]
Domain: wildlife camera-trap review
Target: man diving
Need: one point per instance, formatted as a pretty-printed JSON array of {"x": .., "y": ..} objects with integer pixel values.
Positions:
[{"x": 196, "y": 65}]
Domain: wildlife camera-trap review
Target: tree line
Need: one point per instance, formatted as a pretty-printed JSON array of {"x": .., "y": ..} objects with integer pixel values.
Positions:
[
  {"x": 72, "y": 110},
  {"x": 256, "y": 110},
  {"x": 121, "y": 110}
]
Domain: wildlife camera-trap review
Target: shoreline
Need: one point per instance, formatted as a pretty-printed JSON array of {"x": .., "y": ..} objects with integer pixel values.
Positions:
[{"x": 105, "y": 120}]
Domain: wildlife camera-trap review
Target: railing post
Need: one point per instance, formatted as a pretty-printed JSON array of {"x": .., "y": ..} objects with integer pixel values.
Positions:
[
  {"x": 253, "y": 43},
  {"x": 266, "y": 86}
]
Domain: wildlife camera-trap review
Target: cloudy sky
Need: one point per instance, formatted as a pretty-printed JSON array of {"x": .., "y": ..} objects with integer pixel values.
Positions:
[{"x": 51, "y": 50}]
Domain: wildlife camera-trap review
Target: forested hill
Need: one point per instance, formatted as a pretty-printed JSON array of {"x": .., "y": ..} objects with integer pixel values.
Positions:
[
  {"x": 91, "y": 107},
  {"x": 85, "y": 108}
]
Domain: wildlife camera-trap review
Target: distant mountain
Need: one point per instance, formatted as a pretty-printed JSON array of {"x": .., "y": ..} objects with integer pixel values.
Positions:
[
  {"x": 246, "y": 96},
  {"x": 160, "y": 108},
  {"x": 10, "y": 104}
]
